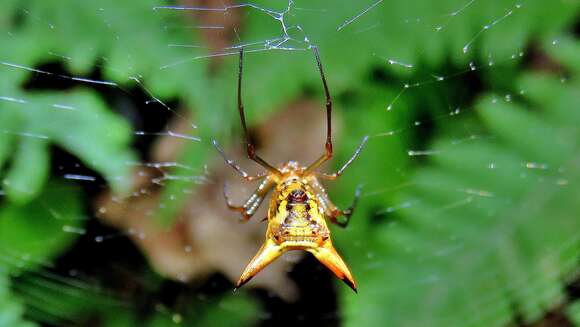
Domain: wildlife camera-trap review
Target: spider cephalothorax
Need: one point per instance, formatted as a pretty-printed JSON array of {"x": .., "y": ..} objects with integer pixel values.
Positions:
[{"x": 299, "y": 205}]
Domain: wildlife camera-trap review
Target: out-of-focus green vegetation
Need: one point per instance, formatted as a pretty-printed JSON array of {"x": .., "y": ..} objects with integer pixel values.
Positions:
[
  {"x": 490, "y": 230},
  {"x": 488, "y": 227}
]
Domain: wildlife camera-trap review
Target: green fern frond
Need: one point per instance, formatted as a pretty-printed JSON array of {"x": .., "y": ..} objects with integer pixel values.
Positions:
[{"x": 492, "y": 229}]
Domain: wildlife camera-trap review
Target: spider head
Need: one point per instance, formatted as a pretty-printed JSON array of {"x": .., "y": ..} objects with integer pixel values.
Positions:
[
  {"x": 297, "y": 196},
  {"x": 294, "y": 191}
]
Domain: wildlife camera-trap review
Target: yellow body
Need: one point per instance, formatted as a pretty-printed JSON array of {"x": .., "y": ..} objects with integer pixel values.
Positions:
[
  {"x": 299, "y": 206},
  {"x": 296, "y": 221}
]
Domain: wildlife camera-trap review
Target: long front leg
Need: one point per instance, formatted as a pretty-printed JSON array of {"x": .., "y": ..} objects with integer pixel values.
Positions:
[
  {"x": 343, "y": 168},
  {"x": 328, "y": 145},
  {"x": 236, "y": 167},
  {"x": 250, "y": 148},
  {"x": 249, "y": 208}
]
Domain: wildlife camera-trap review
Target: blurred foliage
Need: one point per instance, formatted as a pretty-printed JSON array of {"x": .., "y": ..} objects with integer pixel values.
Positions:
[
  {"x": 574, "y": 313},
  {"x": 29, "y": 240},
  {"x": 32, "y": 234},
  {"x": 490, "y": 228},
  {"x": 85, "y": 36},
  {"x": 60, "y": 301},
  {"x": 75, "y": 129},
  {"x": 398, "y": 30},
  {"x": 404, "y": 31},
  {"x": 11, "y": 310},
  {"x": 77, "y": 303},
  {"x": 480, "y": 238}
]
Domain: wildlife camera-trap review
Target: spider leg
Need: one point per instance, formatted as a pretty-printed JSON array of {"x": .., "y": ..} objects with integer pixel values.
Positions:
[
  {"x": 249, "y": 208},
  {"x": 250, "y": 148},
  {"x": 328, "y": 145},
  {"x": 343, "y": 168},
  {"x": 236, "y": 167},
  {"x": 334, "y": 214},
  {"x": 331, "y": 210}
]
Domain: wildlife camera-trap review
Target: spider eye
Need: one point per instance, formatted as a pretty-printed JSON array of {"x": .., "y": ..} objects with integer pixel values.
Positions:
[{"x": 297, "y": 196}]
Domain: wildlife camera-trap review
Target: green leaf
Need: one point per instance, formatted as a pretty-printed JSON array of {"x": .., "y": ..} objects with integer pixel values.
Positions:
[
  {"x": 573, "y": 311},
  {"x": 8, "y": 120},
  {"x": 77, "y": 121},
  {"x": 11, "y": 310},
  {"x": 488, "y": 229},
  {"x": 58, "y": 300},
  {"x": 104, "y": 34},
  {"x": 233, "y": 309},
  {"x": 34, "y": 233},
  {"x": 119, "y": 318},
  {"x": 403, "y": 31},
  {"x": 520, "y": 130},
  {"x": 75, "y": 302},
  {"x": 566, "y": 50},
  {"x": 29, "y": 170},
  {"x": 223, "y": 310}
]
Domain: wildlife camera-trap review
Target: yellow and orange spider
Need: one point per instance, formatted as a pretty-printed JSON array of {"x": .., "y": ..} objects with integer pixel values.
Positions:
[{"x": 299, "y": 203}]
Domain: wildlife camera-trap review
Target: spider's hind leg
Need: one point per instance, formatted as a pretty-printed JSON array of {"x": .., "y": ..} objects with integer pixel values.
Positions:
[
  {"x": 335, "y": 213},
  {"x": 331, "y": 210},
  {"x": 249, "y": 208}
]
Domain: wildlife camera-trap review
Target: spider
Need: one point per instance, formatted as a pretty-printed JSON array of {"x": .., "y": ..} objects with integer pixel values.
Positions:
[{"x": 299, "y": 204}]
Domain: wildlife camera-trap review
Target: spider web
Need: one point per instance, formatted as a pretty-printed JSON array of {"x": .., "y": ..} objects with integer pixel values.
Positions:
[{"x": 124, "y": 190}]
